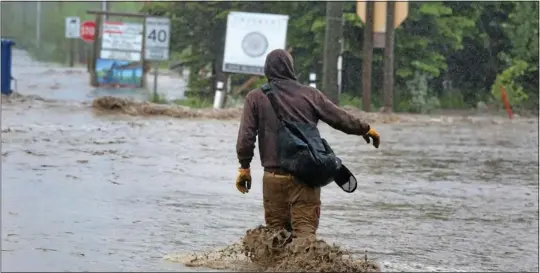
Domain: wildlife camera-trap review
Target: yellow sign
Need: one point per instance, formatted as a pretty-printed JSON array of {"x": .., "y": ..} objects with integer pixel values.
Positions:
[{"x": 379, "y": 14}]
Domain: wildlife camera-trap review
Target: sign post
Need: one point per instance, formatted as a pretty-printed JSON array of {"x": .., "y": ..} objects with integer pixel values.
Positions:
[
  {"x": 381, "y": 18},
  {"x": 73, "y": 25},
  {"x": 249, "y": 38},
  {"x": 88, "y": 29},
  {"x": 157, "y": 41}
]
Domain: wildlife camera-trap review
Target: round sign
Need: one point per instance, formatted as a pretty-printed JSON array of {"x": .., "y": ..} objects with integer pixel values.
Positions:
[
  {"x": 88, "y": 30},
  {"x": 254, "y": 44}
]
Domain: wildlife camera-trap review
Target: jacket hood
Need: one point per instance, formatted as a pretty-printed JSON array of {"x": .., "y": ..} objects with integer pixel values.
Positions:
[{"x": 279, "y": 66}]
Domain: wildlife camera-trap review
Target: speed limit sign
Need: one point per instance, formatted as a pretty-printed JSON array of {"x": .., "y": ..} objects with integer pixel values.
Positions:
[{"x": 157, "y": 38}]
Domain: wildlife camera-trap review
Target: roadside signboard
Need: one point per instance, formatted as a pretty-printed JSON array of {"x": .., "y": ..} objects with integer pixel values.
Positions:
[
  {"x": 157, "y": 38},
  {"x": 249, "y": 38},
  {"x": 122, "y": 36},
  {"x": 88, "y": 29},
  {"x": 121, "y": 41},
  {"x": 73, "y": 27}
]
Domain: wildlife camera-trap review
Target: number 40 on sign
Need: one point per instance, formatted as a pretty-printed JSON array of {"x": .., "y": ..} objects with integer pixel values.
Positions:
[{"x": 157, "y": 38}]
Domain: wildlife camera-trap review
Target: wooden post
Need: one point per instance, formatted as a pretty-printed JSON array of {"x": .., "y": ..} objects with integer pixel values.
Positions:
[
  {"x": 71, "y": 52},
  {"x": 334, "y": 11},
  {"x": 95, "y": 52},
  {"x": 368, "y": 58},
  {"x": 388, "y": 84}
]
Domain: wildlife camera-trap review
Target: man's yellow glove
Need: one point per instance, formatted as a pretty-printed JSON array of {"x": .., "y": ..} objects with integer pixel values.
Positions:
[
  {"x": 243, "y": 181},
  {"x": 373, "y": 135}
]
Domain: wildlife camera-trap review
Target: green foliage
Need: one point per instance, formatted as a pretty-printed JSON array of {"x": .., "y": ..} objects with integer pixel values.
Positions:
[
  {"x": 452, "y": 100},
  {"x": 507, "y": 79},
  {"x": 349, "y": 100},
  {"x": 192, "y": 102},
  {"x": 448, "y": 54},
  {"x": 520, "y": 76},
  {"x": 430, "y": 33},
  {"x": 421, "y": 101},
  {"x": 19, "y": 23}
]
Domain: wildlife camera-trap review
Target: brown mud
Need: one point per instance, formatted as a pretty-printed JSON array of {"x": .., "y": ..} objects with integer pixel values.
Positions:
[
  {"x": 116, "y": 105},
  {"x": 17, "y": 97},
  {"x": 109, "y": 104},
  {"x": 265, "y": 250}
]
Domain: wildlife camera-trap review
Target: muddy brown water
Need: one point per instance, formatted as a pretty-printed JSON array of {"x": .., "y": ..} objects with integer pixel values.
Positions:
[{"x": 82, "y": 191}]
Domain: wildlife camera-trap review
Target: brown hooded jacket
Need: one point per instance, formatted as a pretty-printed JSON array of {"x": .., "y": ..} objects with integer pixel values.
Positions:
[{"x": 297, "y": 102}]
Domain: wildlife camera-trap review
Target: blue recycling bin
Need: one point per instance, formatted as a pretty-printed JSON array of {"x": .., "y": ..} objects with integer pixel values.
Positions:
[{"x": 6, "y": 66}]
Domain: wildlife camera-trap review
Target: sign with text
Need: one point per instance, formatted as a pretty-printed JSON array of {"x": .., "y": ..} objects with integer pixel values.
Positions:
[
  {"x": 73, "y": 27},
  {"x": 122, "y": 36},
  {"x": 157, "y": 38},
  {"x": 249, "y": 38}
]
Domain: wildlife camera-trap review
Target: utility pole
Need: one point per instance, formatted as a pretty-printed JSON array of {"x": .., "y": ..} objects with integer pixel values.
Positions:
[
  {"x": 340, "y": 59},
  {"x": 105, "y": 8},
  {"x": 24, "y": 16},
  {"x": 368, "y": 58},
  {"x": 333, "y": 35},
  {"x": 388, "y": 84},
  {"x": 38, "y": 23}
]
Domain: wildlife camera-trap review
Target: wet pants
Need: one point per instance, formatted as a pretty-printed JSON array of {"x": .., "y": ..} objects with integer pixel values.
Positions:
[{"x": 289, "y": 203}]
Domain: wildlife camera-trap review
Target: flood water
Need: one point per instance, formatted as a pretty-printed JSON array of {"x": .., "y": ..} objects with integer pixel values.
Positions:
[{"x": 88, "y": 192}]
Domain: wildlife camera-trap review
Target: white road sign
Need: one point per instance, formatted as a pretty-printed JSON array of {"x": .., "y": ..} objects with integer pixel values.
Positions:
[
  {"x": 122, "y": 36},
  {"x": 73, "y": 27},
  {"x": 250, "y": 37},
  {"x": 120, "y": 55},
  {"x": 157, "y": 38}
]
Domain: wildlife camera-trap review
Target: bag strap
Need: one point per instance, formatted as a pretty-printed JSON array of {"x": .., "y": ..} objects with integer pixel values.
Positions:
[{"x": 267, "y": 90}]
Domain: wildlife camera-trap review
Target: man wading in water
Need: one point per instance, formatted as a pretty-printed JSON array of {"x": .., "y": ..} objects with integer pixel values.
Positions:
[{"x": 285, "y": 201}]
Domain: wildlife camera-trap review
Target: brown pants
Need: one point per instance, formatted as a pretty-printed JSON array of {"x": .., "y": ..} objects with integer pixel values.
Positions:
[{"x": 288, "y": 203}]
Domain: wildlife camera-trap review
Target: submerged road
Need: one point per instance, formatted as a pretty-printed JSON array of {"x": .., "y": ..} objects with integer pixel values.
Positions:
[{"x": 91, "y": 192}]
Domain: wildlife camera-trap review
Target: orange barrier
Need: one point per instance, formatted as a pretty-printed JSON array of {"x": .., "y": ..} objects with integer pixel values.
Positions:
[{"x": 506, "y": 102}]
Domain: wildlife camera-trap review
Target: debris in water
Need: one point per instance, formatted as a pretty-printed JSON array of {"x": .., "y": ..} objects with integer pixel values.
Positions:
[
  {"x": 18, "y": 97},
  {"x": 130, "y": 107}
]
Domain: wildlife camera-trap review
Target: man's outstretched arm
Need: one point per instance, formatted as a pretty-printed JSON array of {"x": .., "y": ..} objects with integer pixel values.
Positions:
[{"x": 338, "y": 118}]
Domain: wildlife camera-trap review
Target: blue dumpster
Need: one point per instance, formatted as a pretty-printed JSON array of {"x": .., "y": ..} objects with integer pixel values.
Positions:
[{"x": 6, "y": 66}]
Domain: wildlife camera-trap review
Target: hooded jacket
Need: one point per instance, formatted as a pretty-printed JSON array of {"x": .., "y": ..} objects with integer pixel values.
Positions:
[{"x": 297, "y": 102}]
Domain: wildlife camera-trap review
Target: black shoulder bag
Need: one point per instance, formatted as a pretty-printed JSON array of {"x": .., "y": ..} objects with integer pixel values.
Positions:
[{"x": 301, "y": 150}]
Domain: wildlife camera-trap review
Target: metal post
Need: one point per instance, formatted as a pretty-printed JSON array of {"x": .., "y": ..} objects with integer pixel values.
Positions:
[
  {"x": 104, "y": 8},
  {"x": 340, "y": 58},
  {"x": 143, "y": 55},
  {"x": 38, "y": 24},
  {"x": 313, "y": 79},
  {"x": 156, "y": 71},
  {"x": 218, "y": 97}
]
